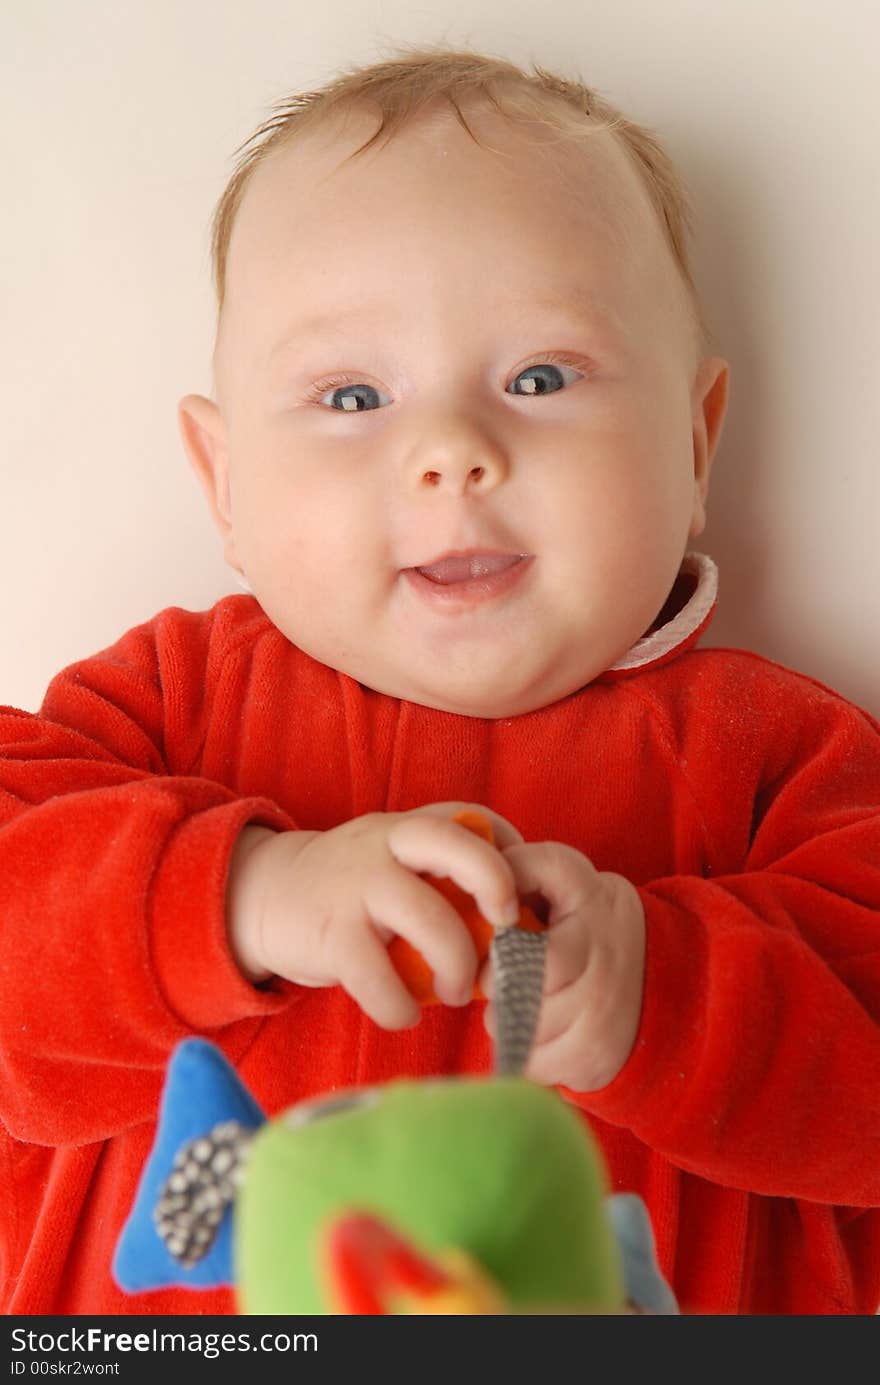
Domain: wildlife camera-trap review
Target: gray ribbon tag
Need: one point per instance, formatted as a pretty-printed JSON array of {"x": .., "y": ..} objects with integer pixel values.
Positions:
[{"x": 517, "y": 958}]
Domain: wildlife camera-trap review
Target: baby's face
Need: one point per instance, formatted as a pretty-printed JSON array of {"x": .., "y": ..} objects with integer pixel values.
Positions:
[{"x": 462, "y": 436}]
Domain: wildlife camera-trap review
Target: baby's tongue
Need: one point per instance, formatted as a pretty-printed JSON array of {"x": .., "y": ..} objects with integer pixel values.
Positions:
[{"x": 450, "y": 570}]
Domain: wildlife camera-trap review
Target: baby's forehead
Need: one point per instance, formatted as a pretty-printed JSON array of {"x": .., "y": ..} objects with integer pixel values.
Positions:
[
  {"x": 531, "y": 199},
  {"x": 587, "y": 162}
]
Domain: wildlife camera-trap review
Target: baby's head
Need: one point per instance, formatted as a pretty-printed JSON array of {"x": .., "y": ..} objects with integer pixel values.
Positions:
[{"x": 464, "y": 417}]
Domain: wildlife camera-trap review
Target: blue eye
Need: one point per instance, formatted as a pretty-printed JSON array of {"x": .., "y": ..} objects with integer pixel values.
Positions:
[
  {"x": 543, "y": 379},
  {"x": 354, "y": 398}
]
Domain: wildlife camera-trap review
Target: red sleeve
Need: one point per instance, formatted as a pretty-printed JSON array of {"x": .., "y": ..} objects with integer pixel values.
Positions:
[
  {"x": 757, "y": 1062},
  {"x": 112, "y": 887}
]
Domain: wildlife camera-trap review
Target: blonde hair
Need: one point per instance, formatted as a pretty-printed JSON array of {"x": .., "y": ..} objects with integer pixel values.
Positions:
[{"x": 401, "y": 86}]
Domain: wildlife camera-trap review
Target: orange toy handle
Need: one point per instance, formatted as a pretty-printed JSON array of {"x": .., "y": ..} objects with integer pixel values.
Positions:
[{"x": 411, "y": 965}]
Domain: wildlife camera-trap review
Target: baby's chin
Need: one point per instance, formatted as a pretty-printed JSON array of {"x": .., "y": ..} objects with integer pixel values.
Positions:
[
  {"x": 490, "y": 699},
  {"x": 484, "y": 678}
]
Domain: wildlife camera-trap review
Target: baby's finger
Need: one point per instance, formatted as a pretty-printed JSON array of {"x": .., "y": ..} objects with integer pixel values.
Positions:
[
  {"x": 569, "y": 946},
  {"x": 582, "y": 1038},
  {"x": 485, "y": 978},
  {"x": 438, "y": 846},
  {"x": 369, "y": 977},
  {"x": 414, "y": 910},
  {"x": 504, "y": 832},
  {"x": 567, "y": 1052},
  {"x": 563, "y": 875},
  {"x": 559, "y": 1014}
]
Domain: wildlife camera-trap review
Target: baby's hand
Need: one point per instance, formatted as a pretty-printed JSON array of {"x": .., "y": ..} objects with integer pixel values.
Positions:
[
  {"x": 319, "y": 908},
  {"x": 594, "y": 969}
]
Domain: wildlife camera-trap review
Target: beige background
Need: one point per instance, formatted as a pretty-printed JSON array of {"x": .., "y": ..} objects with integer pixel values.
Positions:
[{"x": 119, "y": 123}]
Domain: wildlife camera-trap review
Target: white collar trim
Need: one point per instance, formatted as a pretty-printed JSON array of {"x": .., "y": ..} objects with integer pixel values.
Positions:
[{"x": 689, "y": 618}]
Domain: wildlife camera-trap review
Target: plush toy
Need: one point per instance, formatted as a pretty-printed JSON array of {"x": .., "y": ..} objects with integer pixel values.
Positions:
[{"x": 459, "y": 1195}]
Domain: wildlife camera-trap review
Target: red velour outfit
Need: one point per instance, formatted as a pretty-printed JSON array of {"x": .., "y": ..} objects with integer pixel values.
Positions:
[{"x": 741, "y": 798}]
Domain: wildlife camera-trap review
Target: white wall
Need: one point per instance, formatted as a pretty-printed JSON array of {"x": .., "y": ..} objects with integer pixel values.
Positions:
[{"x": 119, "y": 123}]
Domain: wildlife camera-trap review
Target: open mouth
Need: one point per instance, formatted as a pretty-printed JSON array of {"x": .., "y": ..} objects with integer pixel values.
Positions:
[
  {"x": 466, "y": 579},
  {"x": 466, "y": 567}
]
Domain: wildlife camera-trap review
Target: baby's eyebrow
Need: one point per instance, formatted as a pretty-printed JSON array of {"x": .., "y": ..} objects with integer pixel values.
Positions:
[
  {"x": 577, "y": 309},
  {"x": 328, "y": 324}
]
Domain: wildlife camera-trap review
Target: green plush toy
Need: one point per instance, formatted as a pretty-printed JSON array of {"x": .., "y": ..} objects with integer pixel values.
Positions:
[{"x": 491, "y": 1181}]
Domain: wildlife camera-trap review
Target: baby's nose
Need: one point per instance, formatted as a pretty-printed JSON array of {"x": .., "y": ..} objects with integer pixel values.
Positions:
[
  {"x": 466, "y": 460},
  {"x": 435, "y": 478}
]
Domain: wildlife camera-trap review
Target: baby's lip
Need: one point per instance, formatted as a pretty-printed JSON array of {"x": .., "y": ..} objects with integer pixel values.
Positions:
[{"x": 465, "y": 565}]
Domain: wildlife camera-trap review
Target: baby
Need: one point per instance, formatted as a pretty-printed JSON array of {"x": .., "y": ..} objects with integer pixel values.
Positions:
[{"x": 482, "y": 595}]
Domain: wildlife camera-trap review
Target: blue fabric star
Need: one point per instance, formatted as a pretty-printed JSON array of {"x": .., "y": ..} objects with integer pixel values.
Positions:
[{"x": 201, "y": 1089}]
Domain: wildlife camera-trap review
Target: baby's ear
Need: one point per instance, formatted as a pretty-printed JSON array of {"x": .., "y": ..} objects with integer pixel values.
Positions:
[
  {"x": 204, "y": 439},
  {"x": 709, "y": 405}
]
